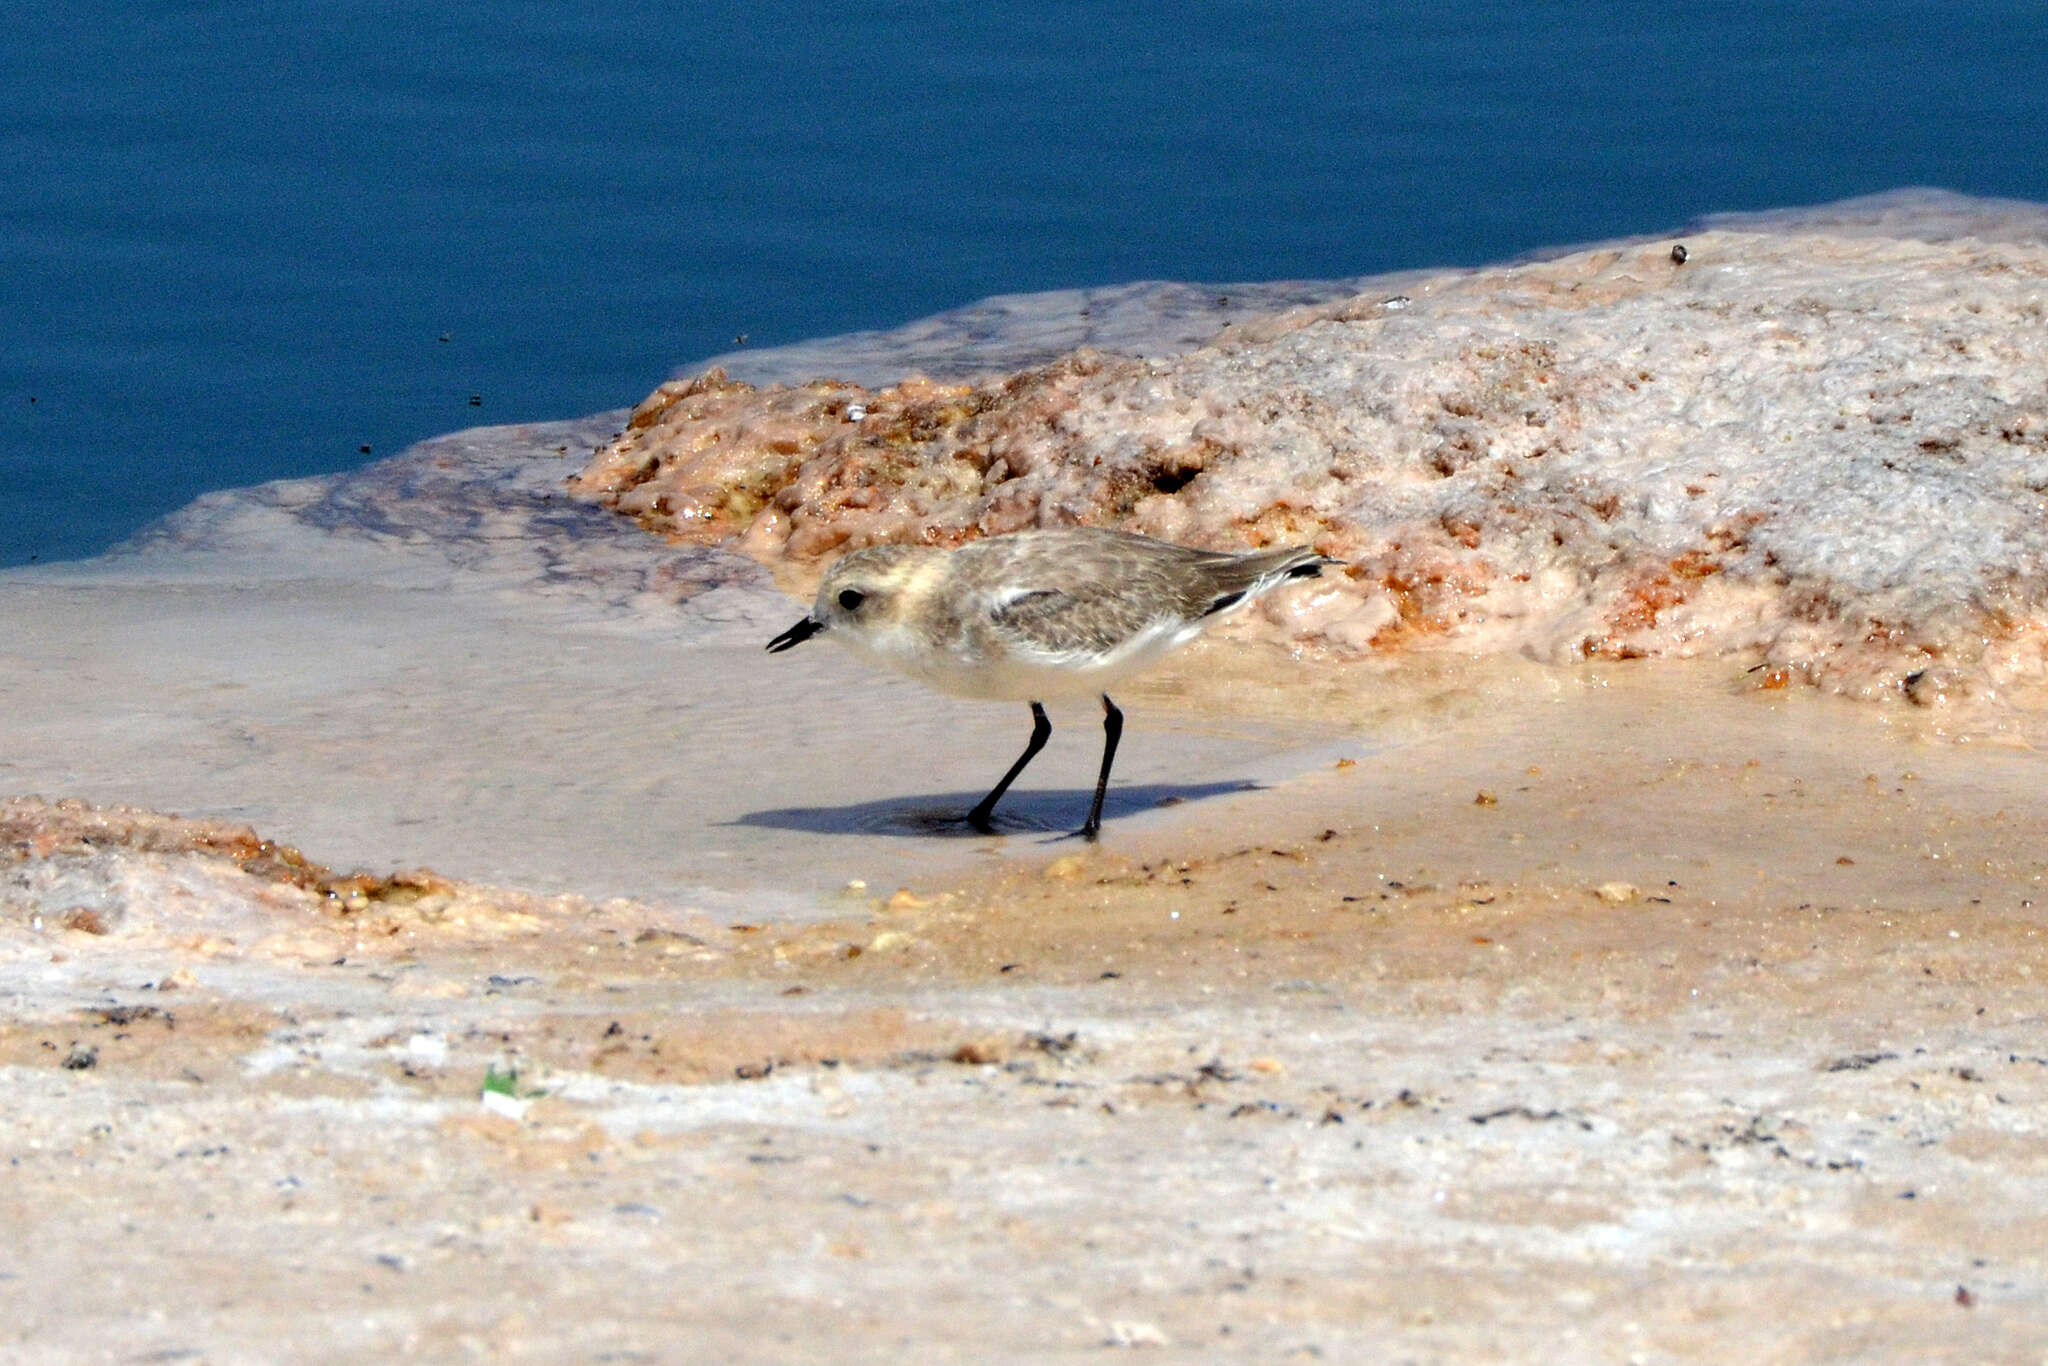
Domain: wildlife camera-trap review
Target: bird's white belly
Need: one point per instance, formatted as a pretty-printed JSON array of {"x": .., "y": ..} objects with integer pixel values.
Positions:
[{"x": 1019, "y": 675}]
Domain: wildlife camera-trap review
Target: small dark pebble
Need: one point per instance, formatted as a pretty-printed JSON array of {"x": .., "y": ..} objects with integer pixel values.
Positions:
[
  {"x": 1679, "y": 254},
  {"x": 81, "y": 1058},
  {"x": 126, "y": 1015},
  {"x": 1053, "y": 1045},
  {"x": 1965, "y": 1298}
]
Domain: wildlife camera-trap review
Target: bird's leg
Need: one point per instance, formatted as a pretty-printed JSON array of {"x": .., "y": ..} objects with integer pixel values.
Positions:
[
  {"x": 1112, "y": 731},
  {"x": 981, "y": 817}
]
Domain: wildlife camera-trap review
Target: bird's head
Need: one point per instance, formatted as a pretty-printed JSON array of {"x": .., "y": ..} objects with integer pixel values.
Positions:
[{"x": 862, "y": 593}]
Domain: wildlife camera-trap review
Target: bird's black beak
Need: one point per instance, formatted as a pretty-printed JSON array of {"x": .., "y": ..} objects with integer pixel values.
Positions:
[{"x": 794, "y": 636}]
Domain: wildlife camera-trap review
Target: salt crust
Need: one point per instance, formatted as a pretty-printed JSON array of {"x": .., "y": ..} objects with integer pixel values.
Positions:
[
  {"x": 1824, "y": 451},
  {"x": 132, "y": 874}
]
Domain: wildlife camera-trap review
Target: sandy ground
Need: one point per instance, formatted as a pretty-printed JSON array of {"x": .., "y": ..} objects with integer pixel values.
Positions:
[
  {"x": 1573, "y": 1016},
  {"x": 1423, "y": 1010}
]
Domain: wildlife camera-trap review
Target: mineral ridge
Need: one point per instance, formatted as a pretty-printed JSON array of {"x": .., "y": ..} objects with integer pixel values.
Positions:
[{"x": 1820, "y": 450}]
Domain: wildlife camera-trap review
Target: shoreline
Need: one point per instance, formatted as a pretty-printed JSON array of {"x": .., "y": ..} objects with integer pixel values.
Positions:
[{"x": 1421, "y": 1006}]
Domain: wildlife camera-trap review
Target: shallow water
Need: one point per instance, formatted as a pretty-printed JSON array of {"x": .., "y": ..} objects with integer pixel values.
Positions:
[{"x": 439, "y": 662}]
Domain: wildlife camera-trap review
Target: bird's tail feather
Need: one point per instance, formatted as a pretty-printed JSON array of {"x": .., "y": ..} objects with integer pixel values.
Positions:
[
  {"x": 1242, "y": 577},
  {"x": 1266, "y": 568}
]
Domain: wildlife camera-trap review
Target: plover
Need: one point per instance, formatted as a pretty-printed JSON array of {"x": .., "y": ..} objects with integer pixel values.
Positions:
[{"x": 1037, "y": 615}]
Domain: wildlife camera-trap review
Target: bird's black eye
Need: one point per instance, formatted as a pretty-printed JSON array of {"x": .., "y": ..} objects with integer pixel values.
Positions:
[{"x": 851, "y": 599}]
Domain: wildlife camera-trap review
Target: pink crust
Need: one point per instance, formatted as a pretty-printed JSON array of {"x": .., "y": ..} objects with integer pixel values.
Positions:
[{"x": 1826, "y": 453}]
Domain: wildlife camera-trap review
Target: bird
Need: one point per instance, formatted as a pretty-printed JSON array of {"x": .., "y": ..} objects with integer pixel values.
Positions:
[{"x": 1041, "y": 614}]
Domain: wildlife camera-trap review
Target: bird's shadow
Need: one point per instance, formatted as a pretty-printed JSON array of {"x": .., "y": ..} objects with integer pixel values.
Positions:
[{"x": 943, "y": 815}]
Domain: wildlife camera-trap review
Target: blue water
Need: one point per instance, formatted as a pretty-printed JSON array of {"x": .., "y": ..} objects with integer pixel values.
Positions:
[{"x": 240, "y": 241}]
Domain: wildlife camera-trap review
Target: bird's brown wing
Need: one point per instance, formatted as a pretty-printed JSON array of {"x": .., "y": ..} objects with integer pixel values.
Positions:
[
  {"x": 1094, "y": 590},
  {"x": 1086, "y": 618}
]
